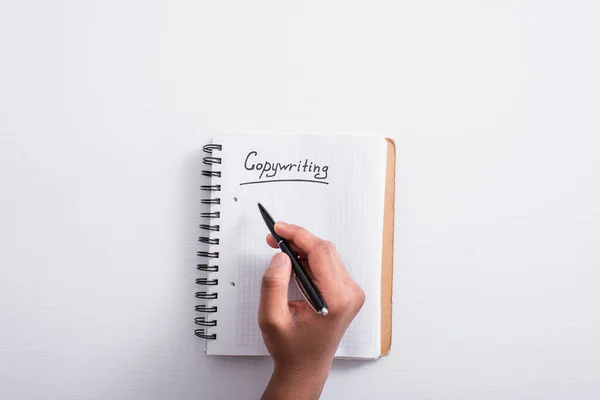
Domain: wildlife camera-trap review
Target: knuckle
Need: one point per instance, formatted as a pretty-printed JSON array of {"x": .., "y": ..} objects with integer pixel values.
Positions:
[
  {"x": 269, "y": 323},
  {"x": 343, "y": 303},
  {"x": 264, "y": 323},
  {"x": 349, "y": 302},
  {"x": 360, "y": 298},
  {"x": 326, "y": 247}
]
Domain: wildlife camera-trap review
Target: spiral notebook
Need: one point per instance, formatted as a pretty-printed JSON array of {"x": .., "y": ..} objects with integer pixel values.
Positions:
[{"x": 341, "y": 188}]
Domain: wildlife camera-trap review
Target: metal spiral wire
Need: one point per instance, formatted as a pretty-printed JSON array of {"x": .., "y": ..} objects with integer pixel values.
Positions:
[{"x": 212, "y": 241}]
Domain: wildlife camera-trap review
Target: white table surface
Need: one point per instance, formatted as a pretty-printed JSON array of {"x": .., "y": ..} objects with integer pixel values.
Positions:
[{"x": 494, "y": 106}]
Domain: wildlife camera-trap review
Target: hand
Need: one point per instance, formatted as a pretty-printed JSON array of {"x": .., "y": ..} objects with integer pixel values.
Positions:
[{"x": 302, "y": 342}]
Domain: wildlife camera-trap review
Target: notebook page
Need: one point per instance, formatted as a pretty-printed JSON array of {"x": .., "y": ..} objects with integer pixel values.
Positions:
[{"x": 334, "y": 187}]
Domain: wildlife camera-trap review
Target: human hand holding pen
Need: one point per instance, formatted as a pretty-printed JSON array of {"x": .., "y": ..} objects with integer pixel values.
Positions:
[{"x": 302, "y": 342}]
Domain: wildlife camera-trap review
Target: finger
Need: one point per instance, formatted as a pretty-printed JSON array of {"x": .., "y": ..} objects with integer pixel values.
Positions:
[
  {"x": 325, "y": 263},
  {"x": 273, "y": 243},
  {"x": 301, "y": 238},
  {"x": 273, "y": 308}
]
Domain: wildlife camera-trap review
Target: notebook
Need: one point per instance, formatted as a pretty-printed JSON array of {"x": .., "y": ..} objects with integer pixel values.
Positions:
[{"x": 340, "y": 187}]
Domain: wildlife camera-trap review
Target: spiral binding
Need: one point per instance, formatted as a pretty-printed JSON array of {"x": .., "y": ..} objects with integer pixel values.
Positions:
[
  {"x": 204, "y": 321},
  {"x": 212, "y": 173},
  {"x": 208, "y": 254},
  {"x": 210, "y": 227},
  {"x": 206, "y": 295},
  {"x": 215, "y": 214},
  {"x": 206, "y": 240},
  {"x": 207, "y": 268},
  {"x": 206, "y": 309},
  {"x": 207, "y": 282}
]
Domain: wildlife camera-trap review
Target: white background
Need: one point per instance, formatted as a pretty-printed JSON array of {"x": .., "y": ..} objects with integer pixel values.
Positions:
[{"x": 104, "y": 106}]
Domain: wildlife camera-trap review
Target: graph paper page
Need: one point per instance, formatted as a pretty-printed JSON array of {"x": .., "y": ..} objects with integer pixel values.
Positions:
[{"x": 332, "y": 186}]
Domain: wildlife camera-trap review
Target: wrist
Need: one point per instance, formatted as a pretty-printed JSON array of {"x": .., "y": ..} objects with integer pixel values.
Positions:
[
  {"x": 292, "y": 373},
  {"x": 304, "y": 382}
]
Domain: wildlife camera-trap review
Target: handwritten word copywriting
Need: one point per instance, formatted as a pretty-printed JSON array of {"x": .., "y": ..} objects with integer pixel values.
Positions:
[{"x": 265, "y": 169}]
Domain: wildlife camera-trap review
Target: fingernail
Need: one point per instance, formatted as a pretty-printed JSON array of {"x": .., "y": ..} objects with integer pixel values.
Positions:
[
  {"x": 278, "y": 260},
  {"x": 282, "y": 224}
]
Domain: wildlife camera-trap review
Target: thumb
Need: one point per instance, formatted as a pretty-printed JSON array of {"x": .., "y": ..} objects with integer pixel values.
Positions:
[{"x": 274, "y": 289}]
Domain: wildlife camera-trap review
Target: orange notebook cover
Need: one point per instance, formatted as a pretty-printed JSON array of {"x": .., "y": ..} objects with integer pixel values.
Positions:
[{"x": 387, "y": 267}]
